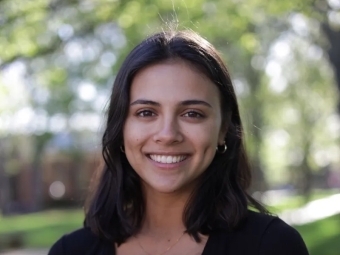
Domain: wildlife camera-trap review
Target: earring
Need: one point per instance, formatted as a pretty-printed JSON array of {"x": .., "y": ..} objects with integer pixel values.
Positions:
[
  {"x": 122, "y": 149},
  {"x": 221, "y": 148}
]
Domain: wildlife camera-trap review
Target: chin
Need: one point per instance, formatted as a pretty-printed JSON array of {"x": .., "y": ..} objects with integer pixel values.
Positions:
[
  {"x": 171, "y": 185},
  {"x": 159, "y": 187},
  {"x": 166, "y": 190}
]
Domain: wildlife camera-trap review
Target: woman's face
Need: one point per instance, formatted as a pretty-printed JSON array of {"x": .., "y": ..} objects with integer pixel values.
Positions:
[{"x": 173, "y": 126}]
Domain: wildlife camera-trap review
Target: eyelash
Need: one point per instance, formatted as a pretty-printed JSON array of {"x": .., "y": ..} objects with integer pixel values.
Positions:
[
  {"x": 139, "y": 114},
  {"x": 197, "y": 114},
  {"x": 152, "y": 114}
]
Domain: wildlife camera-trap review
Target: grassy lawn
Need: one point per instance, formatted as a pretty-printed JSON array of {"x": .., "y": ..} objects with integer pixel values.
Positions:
[
  {"x": 38, "y": 229},
  {"x": 322, "y": 237},
  {"x": 44, "y": 228}
]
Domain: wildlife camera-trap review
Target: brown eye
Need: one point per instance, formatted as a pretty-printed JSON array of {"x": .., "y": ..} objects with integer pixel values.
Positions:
[
  {"x": 145, "y": 113},
  {"x": 193, "y": 114}
]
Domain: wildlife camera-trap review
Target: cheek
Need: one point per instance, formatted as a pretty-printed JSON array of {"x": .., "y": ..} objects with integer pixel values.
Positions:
[
  {"x": 134, "y": 139},
  {"x": 205, "y": 147},
  {"x": 134, "y": 127},
  {"x": 131, "y": 133},
  {"x": 206, "y": 135}
]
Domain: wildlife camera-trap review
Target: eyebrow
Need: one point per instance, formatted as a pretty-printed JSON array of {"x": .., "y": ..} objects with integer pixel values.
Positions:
[
  {"x": 143, "y": 101},
  {"x": 185, "y": 102},
  {"x": 195, "y": 102}
]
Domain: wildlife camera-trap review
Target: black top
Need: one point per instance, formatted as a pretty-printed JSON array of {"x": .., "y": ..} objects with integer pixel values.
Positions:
[{"x": 259, "y": 234}]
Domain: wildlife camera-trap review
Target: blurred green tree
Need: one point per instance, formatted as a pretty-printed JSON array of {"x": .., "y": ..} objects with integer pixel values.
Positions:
[{"x": 71, "y": 49}]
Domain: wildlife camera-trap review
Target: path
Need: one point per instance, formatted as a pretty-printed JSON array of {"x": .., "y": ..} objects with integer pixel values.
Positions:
[{"x": 313, "y": 211}]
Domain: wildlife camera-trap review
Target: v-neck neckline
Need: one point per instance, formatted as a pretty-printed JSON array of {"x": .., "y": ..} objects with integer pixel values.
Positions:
[
  {"x": 208, "y": 245},
  {"x": 214, "y": 245}
]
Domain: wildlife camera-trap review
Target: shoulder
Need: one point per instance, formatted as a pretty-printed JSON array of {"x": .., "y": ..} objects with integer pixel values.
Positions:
[
  {"x": 281, "y": 239},
  {"x": 81, "y": 241},
  {"x": 257, "y": 221},
  {"x": 267, "y": 235}
]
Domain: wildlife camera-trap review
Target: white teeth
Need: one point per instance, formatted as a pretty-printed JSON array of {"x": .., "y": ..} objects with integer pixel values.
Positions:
[{"x": 167, "y": 159}]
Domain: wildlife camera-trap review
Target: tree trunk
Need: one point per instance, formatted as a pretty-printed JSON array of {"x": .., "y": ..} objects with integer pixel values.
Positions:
[
  {"x": 4, "y": 186},
  {"x": 334, "y": 53},
  {"x": 259, "y": 182},
  {"x": 40, "y": 142}
]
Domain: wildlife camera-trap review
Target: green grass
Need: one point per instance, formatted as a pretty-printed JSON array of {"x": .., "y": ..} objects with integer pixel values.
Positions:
[
  {"x": 39, "y": 229},
  {"x": 322, "y": 237}
]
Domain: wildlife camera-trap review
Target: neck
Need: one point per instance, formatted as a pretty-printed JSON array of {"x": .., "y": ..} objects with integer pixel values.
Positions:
[{"x": 164, "y": 213}]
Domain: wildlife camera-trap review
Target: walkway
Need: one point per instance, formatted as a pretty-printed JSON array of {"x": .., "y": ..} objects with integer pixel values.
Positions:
[{"x": 313, "y": 211}]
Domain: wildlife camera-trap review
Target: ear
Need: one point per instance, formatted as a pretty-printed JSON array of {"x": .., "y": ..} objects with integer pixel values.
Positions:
[
  {"x": 222, "y": 134},
  {"x": 224, "y": 129}
]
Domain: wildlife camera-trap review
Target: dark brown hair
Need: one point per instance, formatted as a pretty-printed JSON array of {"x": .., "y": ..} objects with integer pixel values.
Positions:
[{"x": 116, "y": 208}]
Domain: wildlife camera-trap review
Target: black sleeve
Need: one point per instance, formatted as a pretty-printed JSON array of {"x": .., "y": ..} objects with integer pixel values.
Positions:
[
  {"x": 57, "y": 248},
  {"x": 281, "y": 239}
]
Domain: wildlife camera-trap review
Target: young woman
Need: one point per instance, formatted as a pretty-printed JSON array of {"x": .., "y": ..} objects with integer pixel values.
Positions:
[{"x": 176, "y": 173}]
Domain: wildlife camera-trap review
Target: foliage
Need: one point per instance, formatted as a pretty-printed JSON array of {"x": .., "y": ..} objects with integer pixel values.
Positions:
[{"x": 66, "y": 54}]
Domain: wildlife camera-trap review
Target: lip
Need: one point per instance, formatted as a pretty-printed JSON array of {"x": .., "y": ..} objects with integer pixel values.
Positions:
[
  {"x": 168, "y": 166},
  {"x": 168, "y": 153}
]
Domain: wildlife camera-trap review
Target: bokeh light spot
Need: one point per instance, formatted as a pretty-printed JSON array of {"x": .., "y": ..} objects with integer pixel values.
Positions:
[{"x": 57, "y": 190}]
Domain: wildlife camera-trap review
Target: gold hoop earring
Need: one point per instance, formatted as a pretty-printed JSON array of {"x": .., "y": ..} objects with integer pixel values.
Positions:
[
  {"x": 122, "y": 149},
  {"x": 221, "y": 148}
]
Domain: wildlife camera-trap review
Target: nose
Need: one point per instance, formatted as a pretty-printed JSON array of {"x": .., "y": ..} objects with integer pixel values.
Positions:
[{"x": 168, "y": 132}]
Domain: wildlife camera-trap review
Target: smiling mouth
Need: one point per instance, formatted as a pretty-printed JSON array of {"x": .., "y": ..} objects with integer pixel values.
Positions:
[{"x": 167, "y": 159}]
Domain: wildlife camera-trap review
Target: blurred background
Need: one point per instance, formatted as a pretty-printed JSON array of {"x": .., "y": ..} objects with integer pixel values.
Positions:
[{"x": 58, "y": 61}]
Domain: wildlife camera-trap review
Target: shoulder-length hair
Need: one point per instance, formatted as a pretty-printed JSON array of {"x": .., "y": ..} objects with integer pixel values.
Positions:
[{"x": 116, "y": 207}]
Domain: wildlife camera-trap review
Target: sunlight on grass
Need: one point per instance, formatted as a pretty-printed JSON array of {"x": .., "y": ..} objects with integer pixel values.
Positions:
[
  {"x": 40, "y": 229},
  {"x": 322, "y": 237},
  {"x": 44, "y": 228},
  {"x": 296, "y": 201},
  {"x": 40, "y": 220}
]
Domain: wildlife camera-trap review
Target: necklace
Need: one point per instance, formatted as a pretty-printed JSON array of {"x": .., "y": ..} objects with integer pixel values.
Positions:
[{"x": 168, "y": 249}]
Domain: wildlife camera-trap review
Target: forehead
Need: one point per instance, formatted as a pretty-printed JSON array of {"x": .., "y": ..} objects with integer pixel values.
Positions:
[{"x": 173, "y": 81}]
